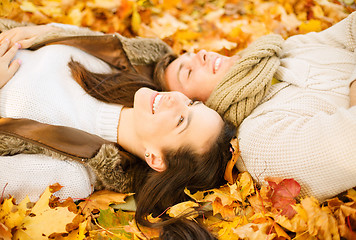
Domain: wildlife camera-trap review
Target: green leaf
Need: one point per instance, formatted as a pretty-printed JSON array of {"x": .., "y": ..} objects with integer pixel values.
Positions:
[{"x": 114, "y": 222}]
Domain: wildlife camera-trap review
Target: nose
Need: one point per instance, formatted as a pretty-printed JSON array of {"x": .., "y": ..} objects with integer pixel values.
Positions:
[
  {"x": 201, "y": 56},
  {"x": 171, "y": 101}
]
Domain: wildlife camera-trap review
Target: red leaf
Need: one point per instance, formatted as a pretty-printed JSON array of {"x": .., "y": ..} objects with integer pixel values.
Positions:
[{"x": 283, "y": 195}]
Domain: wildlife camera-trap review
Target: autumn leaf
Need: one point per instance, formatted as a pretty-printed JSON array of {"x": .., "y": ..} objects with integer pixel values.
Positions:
[
  {"x": 42, "y": 221},
  {"x": 5, "y": 232},
  {"x": 184, "y": 208},
  {"x": 321, "y": 223},
  {"x": 283, "y": 195},
  {"x": 236, "y": 210},
  {"x": 101, "y": 200},
  {"x": 113, "y": 223},
  {"x": 141, "y": 232}
]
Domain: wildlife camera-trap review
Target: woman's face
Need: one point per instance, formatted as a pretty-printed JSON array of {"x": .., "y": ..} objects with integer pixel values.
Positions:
[
  {"x": 196, "y": 75},
  {"x": 170, "y": 120}
]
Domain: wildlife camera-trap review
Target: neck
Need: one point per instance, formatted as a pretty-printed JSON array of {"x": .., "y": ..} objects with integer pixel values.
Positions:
[{"x": 127, "y": 137}]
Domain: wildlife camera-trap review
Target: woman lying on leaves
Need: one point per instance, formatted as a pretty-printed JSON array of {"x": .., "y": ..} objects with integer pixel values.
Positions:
[
  {"x": 302, "y": 127},
  {"x": 167, "y": 142}
]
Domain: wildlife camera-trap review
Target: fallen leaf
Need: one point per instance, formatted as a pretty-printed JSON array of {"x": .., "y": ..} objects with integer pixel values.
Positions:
[
  {"x": 183, "y": 208},
  {"x": 284, "y": 194},
  {"x": 101, "y": 200}
]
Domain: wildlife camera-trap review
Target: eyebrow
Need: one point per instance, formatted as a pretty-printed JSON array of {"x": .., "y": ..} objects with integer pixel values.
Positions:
[
  {"x": 181, "y": 65},
  {"x": 189, "y": 119},
  {"x": 178, "y": 72}
]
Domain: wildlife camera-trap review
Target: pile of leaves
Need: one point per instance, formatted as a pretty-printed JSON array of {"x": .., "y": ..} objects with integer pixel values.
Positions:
[
  {"x": 238, "y": 210},
  {"x": 224, "y": 26},
  {"x": 234, "y": 211}
]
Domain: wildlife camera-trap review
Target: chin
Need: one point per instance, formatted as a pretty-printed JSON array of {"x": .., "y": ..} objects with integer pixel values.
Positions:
[{"x": 142, "y": 100}]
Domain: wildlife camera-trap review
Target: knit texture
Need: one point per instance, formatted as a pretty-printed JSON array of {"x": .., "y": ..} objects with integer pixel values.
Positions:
[
  {"x": 47, "y": 165},
  {"x": 304, "y": 128},
  {"x": 244, "y": 86},
  {"x": 44, "y": 90}
]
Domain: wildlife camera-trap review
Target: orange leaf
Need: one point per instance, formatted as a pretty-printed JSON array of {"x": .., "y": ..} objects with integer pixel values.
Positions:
[{"x": 102, "y": 200}]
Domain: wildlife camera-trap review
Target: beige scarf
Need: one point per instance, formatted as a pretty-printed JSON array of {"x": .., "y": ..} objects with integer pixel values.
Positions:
[{"x": 245, "y": 85}]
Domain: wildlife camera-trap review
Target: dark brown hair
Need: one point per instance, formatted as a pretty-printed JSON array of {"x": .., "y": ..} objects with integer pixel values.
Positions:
[
  {"x": 116, "y": 87},
  {"x": 160, "y": 68},
  {"x": 185, "y": 169},
  {"x": 156, "y": 191}
]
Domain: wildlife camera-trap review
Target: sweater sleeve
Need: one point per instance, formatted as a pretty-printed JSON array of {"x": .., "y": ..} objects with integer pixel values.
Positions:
[
  {"x": 341, "y": 35},
  {"x": 24, "y": 175},
  {"x": 316, "y": 150}
]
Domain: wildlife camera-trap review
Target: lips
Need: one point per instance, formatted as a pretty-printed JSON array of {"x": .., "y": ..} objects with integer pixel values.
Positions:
[
  {"x": 155, "y": 102},
  {"x": 217, "y": 64},
  {"x": 153, "y": 97}
]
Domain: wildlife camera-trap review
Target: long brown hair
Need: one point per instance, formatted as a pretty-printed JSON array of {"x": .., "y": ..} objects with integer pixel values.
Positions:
[
  {"x": 116, "y": 87},
  {"x": 156, "y": 191}
]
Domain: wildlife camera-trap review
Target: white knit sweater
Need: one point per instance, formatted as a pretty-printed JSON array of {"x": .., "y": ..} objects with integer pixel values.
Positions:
[
  {"x": 44, "y": 90},
  {"x": 304, "y": 128}
]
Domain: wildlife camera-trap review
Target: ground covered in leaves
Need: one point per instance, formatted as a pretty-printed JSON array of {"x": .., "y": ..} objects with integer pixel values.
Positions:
[{"x": 238, "y": 210}]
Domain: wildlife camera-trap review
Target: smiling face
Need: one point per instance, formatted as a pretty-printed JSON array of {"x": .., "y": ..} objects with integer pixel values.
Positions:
[
  {"x": 196, "y": 75},
  {"x": 170, "y": 120}
]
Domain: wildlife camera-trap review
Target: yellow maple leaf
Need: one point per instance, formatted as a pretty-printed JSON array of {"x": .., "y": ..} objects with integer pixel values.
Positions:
[
  {"x": 245, "y": 185},
  {"x": 225, "y": 228},
  {"x": 12, "y": 215},
  {"x": 227, "y": 212},
  {"x": 312, "y": 25},
  {"x": 43, "y": 221}
]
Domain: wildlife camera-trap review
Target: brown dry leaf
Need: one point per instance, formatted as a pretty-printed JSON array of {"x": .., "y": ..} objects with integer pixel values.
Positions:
[
  {"x": 102, "y": 200},
  {"x": 255, "y": 231},
  {"x": 165, "y": 26},
  {"x": 321, "y": 222},
  {"x": 183, "y": 208}
]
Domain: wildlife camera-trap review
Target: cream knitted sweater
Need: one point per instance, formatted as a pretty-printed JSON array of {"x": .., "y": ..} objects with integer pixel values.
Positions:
[
  {"x": 304, "y": 128},
  {"x": 44, "y": 90}
]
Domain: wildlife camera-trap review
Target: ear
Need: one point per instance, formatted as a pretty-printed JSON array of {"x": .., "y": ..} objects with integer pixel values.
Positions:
[{"x": 155, "y": 161}]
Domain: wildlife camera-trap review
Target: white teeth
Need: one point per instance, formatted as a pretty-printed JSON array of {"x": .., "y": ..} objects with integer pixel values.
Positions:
[
  {"x": 217, "y": 63},
  {"x": 156, "y": 101}
]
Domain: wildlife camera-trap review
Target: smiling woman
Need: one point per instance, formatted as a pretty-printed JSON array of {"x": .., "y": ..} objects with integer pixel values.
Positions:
[
  {"x": 166, "y": 142},
  {"x": 198, "y": 74},
  {"x": 291, "y": 101}
]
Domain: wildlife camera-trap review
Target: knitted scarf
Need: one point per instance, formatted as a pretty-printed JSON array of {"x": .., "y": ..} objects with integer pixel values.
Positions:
[{"x": 245, "y": 85}]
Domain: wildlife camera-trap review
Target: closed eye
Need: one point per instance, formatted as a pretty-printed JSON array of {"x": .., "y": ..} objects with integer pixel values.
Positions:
[
  {"x": 181, "y": 119},
  {"x": 189, "y": 72},
  {"x": 194, "y": 102}
]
